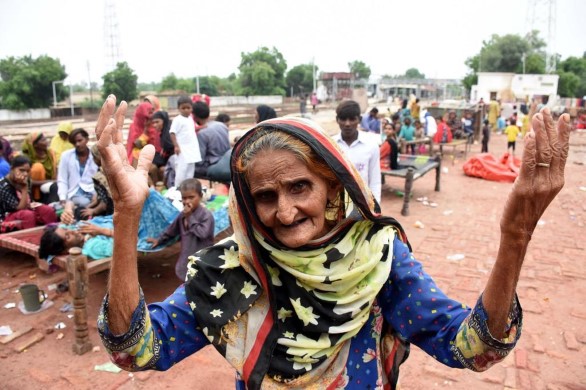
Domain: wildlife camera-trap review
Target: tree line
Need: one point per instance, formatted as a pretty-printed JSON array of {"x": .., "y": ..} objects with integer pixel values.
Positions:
[{"x": 26, "y": 82}]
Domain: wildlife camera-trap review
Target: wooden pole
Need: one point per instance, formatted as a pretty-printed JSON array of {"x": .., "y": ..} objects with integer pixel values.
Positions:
[{"x": 77, "y": 275}]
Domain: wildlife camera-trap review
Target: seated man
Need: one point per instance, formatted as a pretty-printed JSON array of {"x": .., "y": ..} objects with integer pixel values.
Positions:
[
  {"x": 95, "y": 236},
  {"x": 76, "y": 169},
  {"x": 370, "y": 122},
  {"x": 213, "y": 139}
]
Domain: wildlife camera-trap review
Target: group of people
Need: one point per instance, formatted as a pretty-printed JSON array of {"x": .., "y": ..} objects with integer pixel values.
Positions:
[
  {"x": 46, "y": 177},
  {"x": 316, "y": 288}
]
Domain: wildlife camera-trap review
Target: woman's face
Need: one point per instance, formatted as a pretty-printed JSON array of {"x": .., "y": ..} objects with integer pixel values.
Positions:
[
  {"x": 157, "y": 124},
  {"x": 71, "y": 238},
  {"x": 388, "y": 129},
  {"x": 20, "y": 174},
  {"x": 289, "y": 199},
  {"x": 42, "y": 143}
]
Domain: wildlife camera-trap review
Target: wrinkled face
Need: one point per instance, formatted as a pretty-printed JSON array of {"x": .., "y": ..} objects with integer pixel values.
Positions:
[
  {"x": 185, "y": 109},
  {"x": 20, "y": 174},
  {"x": 290, "y": 200},
  {"x": 71, "y": 238},
  {"x": 157, "y": 124},
  {"x": 80, "y": 143},
  {"x": 348, "y": 126}
]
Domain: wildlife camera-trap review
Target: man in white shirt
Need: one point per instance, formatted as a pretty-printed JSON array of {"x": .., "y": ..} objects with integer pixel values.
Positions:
[
  {"x": 360, "y": 149},
  {"x": 76, "y": 169}
]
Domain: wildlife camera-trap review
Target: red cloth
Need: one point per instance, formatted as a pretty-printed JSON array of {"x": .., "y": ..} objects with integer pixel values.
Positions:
[
  {"x": 441, "y": 127},
  {"x": 137, "y": 127},
  {"x": 39, "y": 216},
  {"x": 486, "y": 166}
]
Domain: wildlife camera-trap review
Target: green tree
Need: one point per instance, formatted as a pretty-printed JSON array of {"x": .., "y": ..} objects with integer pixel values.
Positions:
[
  {"x": 300, "y": 79},
  {"x": 359, "y": 69},
  {"x": 121, "y": 82},
  {"x": 263, "y": 72},
  {"x": 414, "y": 73},
  {"x": 27, "y": 82},
  {"x": 507, "y": 53},
  {"x": 572, "y": 73},
  {"x": 209, "y": 85},
  {"x": 169, "y": 83}
]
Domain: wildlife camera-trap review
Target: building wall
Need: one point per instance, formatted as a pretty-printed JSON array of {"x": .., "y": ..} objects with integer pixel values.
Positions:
[{"x": 16, "y": 115}]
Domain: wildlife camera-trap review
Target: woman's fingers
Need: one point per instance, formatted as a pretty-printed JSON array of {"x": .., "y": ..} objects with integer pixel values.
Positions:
[
  {"x": 105, "y": 114},
  {"x": 145, "y": 159},
  {"x": 563, "y": 136},
  {"x": 543, "y": 150},
  {"x": 528, "y": 164},
  {"x": 119, "y": 118},
  {"x": 105, "y": 138},
  {"x": 549, "y": 127}
]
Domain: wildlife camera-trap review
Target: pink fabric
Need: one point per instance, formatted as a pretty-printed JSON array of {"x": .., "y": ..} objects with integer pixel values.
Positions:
[
  {"x": 39, "y": 216},
  {"x": 137, "y": 127}
]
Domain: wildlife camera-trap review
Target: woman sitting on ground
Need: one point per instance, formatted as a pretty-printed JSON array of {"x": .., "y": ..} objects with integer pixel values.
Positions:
[
  {"x": 389, "y": 150},
  {"x": 17, "y": 211},
  {"x": 314, "y": 289},
  {"x": 60, "y": 143},
  {"x": 43, "y": 171}
]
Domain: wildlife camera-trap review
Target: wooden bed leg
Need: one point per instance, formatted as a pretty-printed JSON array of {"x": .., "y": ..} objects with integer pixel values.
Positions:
[
  {"x": 438, "y": 171},
  {"x": 408, "y": 187},
  {"x": 77, "y": 275}
]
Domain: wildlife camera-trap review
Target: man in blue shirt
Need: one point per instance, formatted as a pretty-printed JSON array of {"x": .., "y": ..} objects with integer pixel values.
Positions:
[{"x": 370, "y": 122}]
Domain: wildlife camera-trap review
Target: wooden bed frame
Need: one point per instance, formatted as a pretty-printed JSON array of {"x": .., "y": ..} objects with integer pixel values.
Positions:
[
  {"x": 78, "y": 270},
  {"x": 417, "y": 167}
]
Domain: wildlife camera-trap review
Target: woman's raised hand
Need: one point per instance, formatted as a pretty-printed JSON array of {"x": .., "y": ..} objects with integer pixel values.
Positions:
[
  {"x": 128, "y": 186},
  {"x": 541, "y": 176}
]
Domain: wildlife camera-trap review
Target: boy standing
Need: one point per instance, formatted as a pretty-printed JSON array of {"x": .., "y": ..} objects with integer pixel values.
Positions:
[
  {"x": 194, "y": 226},
  {"x": 185, "y": 141},
  {"x": 512, "y": 131}
]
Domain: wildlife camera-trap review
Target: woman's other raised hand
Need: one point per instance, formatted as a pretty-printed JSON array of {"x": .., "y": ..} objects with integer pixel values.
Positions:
[{"x": 541, "y": 176}]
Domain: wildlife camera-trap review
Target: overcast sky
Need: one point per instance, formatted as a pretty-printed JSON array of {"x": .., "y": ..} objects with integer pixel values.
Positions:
[{"x": 207, "y": 37}]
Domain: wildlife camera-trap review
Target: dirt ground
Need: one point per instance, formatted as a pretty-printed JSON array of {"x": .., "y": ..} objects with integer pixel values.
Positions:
[{"x": 465, "y": 221}]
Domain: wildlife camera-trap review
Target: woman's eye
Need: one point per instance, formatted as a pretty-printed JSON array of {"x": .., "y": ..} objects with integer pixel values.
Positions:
[
  {"x": 299, "y": 186},
  {"x": 266, "y": 196}
]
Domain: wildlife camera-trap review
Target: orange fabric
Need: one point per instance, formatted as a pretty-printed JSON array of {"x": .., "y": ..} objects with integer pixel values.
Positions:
[
  {"x": 38, "y": 172},
  {"x": 385, "y": 156}
]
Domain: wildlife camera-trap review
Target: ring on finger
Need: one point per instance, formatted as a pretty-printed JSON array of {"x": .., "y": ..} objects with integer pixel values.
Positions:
[{"x": 543, "y": 165}]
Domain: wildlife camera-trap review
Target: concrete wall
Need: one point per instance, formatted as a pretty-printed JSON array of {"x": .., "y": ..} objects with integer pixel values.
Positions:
[
  {"x": 14, "y": 115},
  {"x": 529, "y": 85},
  {"x": 218, "y": 101}
]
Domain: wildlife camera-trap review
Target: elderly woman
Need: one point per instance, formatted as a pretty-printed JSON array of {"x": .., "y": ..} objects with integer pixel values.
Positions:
[{"x": 314, "y": 288}]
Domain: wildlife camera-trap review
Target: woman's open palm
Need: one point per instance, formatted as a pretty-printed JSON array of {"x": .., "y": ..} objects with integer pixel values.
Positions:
[{"x": 128, "y": 185}]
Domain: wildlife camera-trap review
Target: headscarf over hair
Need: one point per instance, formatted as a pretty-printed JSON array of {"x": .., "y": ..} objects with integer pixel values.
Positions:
[
  {"x": 265, "y": 112},
  {"x": 154, "y": 101},
  {"x": 166, "y": 142},
  {"x": 137, "y": 127},
  {"x": 65, "y": 127},
  {"x": 28, "y": 149},
  {"x": 250, "y": 290}
]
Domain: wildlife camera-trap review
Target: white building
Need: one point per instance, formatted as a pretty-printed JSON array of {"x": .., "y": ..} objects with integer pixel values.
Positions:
[{"x": 510, "y": 87}]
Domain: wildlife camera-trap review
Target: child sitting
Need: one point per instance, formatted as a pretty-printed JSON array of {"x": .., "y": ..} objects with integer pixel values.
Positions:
[{"x": 195, "y": 226}]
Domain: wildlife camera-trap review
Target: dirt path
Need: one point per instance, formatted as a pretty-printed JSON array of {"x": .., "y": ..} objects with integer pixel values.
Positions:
[{"x": 550, "y": 354}]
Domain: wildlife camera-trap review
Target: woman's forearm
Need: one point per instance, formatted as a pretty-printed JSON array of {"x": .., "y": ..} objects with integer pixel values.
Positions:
[
  {"x": 123, "y": 288},
  {"x": 23, "y": 203},
  {"x": 500, "y": 289}
]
